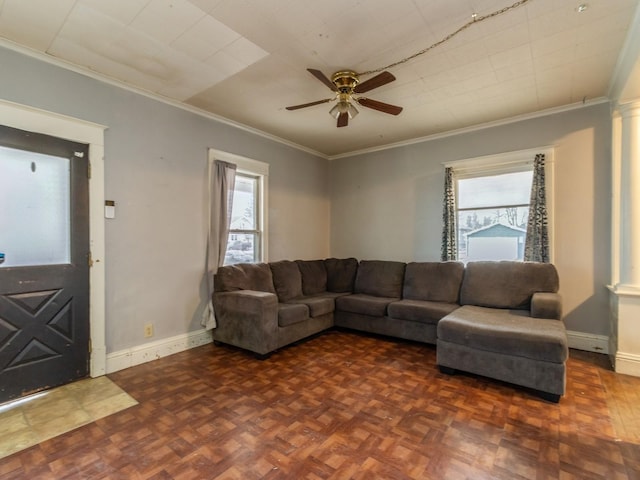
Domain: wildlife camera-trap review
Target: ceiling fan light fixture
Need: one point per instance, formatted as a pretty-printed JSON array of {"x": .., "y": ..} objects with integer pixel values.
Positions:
[
  {"x": 343, "y": 106},
  {"x": 352, "y": 110}
]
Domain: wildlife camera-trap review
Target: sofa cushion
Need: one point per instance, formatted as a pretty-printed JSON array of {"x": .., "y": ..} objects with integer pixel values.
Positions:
[
  {"x": 341, "y": 274},
  {"x": 317, "y": 305},
  {"x": 364, "y": 304},
  {"x": 433, "y": 281},
  {"x": 509, "y": 332},
  {"x": 290, "y": 314},
  {"x": 506, "y": 284},
  {"x": 420, "y": 310},
  {"x": 286, "y": 279},
  {"x": 380, "y": 278},
  {"x": 314, "y": 276},
  {"x": 244, "y": 276}
]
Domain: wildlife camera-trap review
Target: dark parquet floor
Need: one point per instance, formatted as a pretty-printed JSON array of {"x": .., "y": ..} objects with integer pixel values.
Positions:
[{"x": 345, "y": 406}]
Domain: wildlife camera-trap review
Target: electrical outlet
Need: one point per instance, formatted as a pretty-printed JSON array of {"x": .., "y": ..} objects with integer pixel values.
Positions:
[{"x": 148, "y": 330}]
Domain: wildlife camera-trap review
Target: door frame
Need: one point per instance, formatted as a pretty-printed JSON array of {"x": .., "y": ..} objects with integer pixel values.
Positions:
[{"x": 49, "y": 123}]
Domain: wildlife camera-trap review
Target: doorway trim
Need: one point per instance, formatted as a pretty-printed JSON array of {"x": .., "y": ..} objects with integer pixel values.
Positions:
[{"x": 49, "y": 123}]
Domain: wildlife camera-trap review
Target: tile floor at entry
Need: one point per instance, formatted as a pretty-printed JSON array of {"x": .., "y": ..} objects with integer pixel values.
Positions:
[{"x": 53, "y": 412}]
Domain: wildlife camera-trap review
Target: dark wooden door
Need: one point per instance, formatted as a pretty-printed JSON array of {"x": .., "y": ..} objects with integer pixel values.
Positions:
[{"x": 44, "y": 250}]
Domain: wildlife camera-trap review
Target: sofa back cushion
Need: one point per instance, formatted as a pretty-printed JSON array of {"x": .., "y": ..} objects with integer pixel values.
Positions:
[
  {"x": 341, "y": 274},
  {"x": 244, "y": 276},
  {"x": 433, "y": 281},
  {"x": 286, "y": 279},
  {"x": 314, "y": 276},
  {"x": 506, "y": 284},
  {"x": 380, "y": 278}
]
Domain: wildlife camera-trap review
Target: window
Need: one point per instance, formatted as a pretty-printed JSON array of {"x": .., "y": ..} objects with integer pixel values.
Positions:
[
  {"x": 492, "y": 204},
  {"x": 248, "y": 230},
  {"x": 492, "y": 216},
  {"x": 244, "y": 236}
]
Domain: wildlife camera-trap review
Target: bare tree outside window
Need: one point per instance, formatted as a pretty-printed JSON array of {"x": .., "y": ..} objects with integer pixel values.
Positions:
[
  {"x": 244, "y": 233},
  {"x": 492, "y": 216}
]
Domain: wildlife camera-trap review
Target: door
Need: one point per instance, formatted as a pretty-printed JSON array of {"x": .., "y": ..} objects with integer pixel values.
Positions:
[{"x": 44, "y": 255}]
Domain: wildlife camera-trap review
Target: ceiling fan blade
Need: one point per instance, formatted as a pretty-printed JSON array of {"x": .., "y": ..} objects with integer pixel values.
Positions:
[
  {"x": 322, "y": 77},
  {"x": 375, "y": 82},
  {"x": 380, "y": 106},
  {"x": 343, "y": 119},
  {"x": 310, "y": 104}
]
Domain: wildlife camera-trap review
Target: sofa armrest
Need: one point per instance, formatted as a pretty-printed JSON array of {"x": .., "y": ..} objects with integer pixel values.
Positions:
[
  {"x": 546, "y": 305},
  {"x": 247, "y": 319}
]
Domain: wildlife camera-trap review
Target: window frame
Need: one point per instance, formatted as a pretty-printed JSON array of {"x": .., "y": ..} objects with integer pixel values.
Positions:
[
  {"x": 257, "y": 208},
  {"x": 259, "y": 170},
  {"x": 509, "y": 162}
]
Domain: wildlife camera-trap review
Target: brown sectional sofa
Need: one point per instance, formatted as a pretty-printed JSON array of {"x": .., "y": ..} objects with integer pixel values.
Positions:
[{"x": 497, "y": 319}]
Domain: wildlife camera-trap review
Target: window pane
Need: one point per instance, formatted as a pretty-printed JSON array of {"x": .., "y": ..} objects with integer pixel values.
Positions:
[
  {"x": 242, "y": 248},
  {"x": 243, "y": 216},
  {"x": 492, "y": 234},
  {"x": 35, "y": 201},
  {"x": 495, "y": 190}
]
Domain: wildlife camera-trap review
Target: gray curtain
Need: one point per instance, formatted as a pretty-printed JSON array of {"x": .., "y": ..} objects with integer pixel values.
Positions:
[
  {"x": 536, "y": 246},
  {"x": 449, "y": 242},
  {"x": 222, "y": 177}
]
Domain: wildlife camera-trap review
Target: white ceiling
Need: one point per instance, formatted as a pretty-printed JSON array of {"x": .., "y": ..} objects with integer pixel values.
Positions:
[{"x": 245, "y": 60}]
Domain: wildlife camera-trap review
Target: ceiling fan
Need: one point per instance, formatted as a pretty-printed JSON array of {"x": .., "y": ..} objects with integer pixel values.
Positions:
[{"x": 347, "y": 86}]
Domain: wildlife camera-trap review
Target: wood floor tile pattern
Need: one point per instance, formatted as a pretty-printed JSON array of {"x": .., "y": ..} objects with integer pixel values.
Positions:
[{"x": 343, "y": 406}]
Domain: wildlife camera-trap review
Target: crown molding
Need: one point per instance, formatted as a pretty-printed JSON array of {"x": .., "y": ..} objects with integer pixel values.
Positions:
[
  {"x": 475, "y": 128},
  {"x": 218, "y": 118},
  {"x": 87, "y": 72},
  {"x": 627, "y": 61}
]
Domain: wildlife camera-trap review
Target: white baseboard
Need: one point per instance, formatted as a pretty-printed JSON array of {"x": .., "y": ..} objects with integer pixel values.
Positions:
[
  {"x": 152, "y": 351},
  {"x": 155, "y": 350},
  {"x": 588, "y": 342},
  {"x": 627, "y": 363}
]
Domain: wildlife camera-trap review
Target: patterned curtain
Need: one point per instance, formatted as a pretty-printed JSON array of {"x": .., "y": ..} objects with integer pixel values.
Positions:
[
  {"x": 222, "y": 177},
  {"x": 449, "y": 243},
  {"x": 536, "y": 247}
]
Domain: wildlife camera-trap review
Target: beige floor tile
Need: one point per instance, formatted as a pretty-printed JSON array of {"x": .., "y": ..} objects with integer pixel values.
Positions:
[
  {"x": 13, "y": 421},
  {"x": 62, "y": 424},
  {"x": 97, "y": 391},
  {"x": 109, "y": 405},
  {"x": 50, "y": 409},
  {"x": 52, "y": 413},
  {"x": 16, "y": 441}
]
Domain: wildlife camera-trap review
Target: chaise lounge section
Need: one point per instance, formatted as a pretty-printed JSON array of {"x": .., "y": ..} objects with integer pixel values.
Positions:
[{"x": 508, "y": 327}]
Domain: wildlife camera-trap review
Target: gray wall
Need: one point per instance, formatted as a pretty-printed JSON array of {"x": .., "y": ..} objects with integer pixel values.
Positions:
[
  {"x": 388, "y": 204},
  {"x": 155, "y": 170},
  {"x": 381, "y": 205}
]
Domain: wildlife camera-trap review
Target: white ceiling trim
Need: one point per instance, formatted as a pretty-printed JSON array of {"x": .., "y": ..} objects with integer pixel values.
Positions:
[
  {"x": 152, "y": 95},
  {"x": 174, "y": 103},
  {"x": 543, "y": 55},
  {"x": 474, "y": 128},
  {"x": 627, "y": 60}
]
